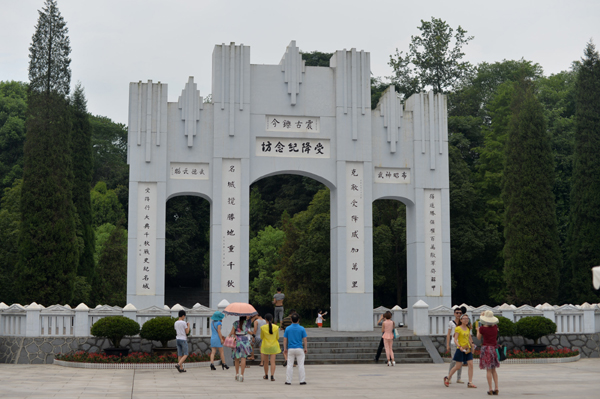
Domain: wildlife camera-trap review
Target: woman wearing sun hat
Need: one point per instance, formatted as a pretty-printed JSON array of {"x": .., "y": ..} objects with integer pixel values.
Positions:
[
  {"x": 216, "y": 339},
  {"x": 488, "y": 360}
]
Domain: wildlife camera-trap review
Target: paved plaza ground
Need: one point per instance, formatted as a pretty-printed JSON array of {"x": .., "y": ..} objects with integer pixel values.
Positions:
[{"x": 570, "y": 380}]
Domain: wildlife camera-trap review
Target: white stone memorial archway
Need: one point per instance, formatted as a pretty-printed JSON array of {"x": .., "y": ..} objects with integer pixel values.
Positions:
[{"x": 290, "y": 119}]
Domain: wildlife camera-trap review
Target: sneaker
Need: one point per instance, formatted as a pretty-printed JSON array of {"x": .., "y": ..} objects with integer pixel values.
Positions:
[
  {"x": 303, "y": 383},
  {"x": 393, "y": 363}
]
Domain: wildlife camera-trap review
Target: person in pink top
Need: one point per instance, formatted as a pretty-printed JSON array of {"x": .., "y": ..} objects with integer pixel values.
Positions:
[{"x": 387, "y": 327}]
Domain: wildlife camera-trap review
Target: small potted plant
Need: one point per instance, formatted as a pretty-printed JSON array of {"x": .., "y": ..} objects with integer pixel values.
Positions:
[
  {"x": 115, "y": 328},
  {"x": 160, "y": 329},
  {"x": 534, "y": 328}
]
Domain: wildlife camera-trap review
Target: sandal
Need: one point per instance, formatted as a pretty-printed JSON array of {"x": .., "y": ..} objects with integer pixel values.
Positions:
[
  {"x": 490, "y": 392},
  {"x": 471, "y": 385},
  {"x": 446, "y": 382},
  {"x": 495, "y": 392},
  {"x": 266, "y": 377}
]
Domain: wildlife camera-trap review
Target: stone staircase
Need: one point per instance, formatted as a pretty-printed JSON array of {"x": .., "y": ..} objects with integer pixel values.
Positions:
[{"x": 359, "y": 350}]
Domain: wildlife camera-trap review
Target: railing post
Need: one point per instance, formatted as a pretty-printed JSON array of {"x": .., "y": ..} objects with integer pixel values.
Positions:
[
  {"x": 507, "y": 311},
  {"x": 548, "y": 312},
  {"x": 397, "y": 315},
  {"x": 32, "y": 321},
  {"x": 175, "y": 310},
  {"x": 589, "y": 318},
  {"x": 82, "y": 328},
  {"x": 2, "y": 307},
  {"x": 130, "y": 312},
  {"x": 421, "y": 318}
]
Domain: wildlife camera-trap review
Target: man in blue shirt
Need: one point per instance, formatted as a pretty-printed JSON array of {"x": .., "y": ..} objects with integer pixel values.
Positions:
[{"x": 295, "y": 346}]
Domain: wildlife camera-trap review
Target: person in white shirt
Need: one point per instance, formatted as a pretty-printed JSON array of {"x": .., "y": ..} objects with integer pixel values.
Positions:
[{"x": 182, "y": 329}]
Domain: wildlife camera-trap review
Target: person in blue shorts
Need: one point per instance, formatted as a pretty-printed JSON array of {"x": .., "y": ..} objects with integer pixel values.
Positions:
[{"x": 295, "y": 347}]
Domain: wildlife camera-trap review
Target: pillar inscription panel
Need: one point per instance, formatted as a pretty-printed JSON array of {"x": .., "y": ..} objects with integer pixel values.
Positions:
[
  {"x": 355, "y": 228},
  {"x": 146, "y": 239},
  {"x": 433, "y": 242},
  {"x": 231, "y": 224}
]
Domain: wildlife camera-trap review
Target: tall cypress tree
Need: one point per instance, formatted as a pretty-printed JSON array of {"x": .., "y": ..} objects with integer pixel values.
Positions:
[
  {"x": 82, "y": 170},
  {"x": 532, "y": 255},
  {"x": 584, "y": 228},
  {"x": 48, "y": 252}
]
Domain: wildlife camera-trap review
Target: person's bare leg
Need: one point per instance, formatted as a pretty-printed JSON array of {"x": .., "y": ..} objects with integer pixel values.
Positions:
[
  {"x": 265, "y": 360},
  {"x": 236, "y": 362},
  {"x": 455, "y": 369},
  {"x": 212, "y": 355},
  {"x": 243, "y": 362},
  {"x": 182, "y": 360},
  {"x": 222, "y": 355},
  {"x": 272, "y": 364},
  {"x": 495, "y": 377},
  {"x": 470, "y": 365},
  {"x": 489, "y": 378}
]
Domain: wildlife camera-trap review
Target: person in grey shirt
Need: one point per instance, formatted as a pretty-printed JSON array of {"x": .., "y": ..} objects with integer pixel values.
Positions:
[{"x": 278, "y": 302}]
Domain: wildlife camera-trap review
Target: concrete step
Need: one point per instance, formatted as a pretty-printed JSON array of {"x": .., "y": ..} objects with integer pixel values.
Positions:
[
  {"x": 360, "y": 344},
  {"x": 370, "y": 351}
]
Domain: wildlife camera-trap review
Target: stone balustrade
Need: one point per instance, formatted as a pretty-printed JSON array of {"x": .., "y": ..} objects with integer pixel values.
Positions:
[{"x": 35, "y": 320}]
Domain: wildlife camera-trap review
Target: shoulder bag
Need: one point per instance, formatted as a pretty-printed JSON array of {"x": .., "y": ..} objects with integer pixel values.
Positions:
[{"x": 229, "y": 342}]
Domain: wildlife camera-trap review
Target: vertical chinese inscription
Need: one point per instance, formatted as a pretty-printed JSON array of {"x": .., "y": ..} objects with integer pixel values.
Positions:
[
  {"x": 355, "y": 226},
  {"x": 433, "y": 242},
  {"x": 146, "y": 239},
  {"x": 231, "y": 223}
]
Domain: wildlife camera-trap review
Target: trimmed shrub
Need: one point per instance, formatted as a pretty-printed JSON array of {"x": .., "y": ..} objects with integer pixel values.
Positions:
[
  {"x": 535, "y": 327},
  {"x": 115, "y": 328},
  {"x": 506, "y": 327},
  {"x": 159, "y": 329}
]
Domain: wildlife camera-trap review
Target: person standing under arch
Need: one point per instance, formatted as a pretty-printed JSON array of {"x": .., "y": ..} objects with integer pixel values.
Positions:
[{"x": 278, "y": 302}]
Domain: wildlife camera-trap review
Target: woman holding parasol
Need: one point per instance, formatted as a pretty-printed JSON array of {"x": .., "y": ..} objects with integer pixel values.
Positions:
[{"x": 241, "y": 331}]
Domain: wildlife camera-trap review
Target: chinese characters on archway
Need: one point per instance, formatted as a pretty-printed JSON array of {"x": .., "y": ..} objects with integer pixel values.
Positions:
[
  {"x": 355, "y": 228},
  {"x": 392, "y": 175},
  {"x": 230, "y": 224},
  {"x": 192, "y": 171},
  {"x": 292, "y": 148},
  {"x": 433, "y": 242},
  {"x": 293, "y": 124},
  {"x": 146, "y": 239}
]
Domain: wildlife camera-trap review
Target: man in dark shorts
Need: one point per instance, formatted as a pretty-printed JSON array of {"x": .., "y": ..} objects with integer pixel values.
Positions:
[{"x": 278, "y": 302}]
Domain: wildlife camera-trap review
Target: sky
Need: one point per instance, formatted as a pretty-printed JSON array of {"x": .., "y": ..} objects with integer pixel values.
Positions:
[{"x": 115, "y": 42}]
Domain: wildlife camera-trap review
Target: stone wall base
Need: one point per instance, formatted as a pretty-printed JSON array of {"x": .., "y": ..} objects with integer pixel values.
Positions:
[
  {"x": 42, "y": 350},
  {"x": 588, "y": 345}
]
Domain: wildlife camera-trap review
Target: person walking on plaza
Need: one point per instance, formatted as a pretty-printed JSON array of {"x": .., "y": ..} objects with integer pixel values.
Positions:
[
  {"x": 464, "y": 351},
  {"x": 216, "y": 339},
  {"x": 182, "y": 328},
  {"x": 278, "y": 302},
  {"x": 488, "y": 360},
  {"x": 257, "y": 323},
  {"x": 295, "y": 346},
  {"x": 450, "y": 346},
  {"x": 380, "y": 347},
  {"x": 243, "y": 346},
  {"x": 270, "y": 345},
  {"x": 387, "y": 328}
]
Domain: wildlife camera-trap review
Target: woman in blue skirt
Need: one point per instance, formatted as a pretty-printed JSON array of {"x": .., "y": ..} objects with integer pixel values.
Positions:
[{"x": 216, "y": 339}]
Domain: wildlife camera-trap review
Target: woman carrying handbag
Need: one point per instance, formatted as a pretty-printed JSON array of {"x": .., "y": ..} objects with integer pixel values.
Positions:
[{"x": 243, "y": 346}]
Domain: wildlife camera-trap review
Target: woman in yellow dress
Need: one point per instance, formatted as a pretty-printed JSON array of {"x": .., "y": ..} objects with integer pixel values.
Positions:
[{"x": 270, "y": 345}]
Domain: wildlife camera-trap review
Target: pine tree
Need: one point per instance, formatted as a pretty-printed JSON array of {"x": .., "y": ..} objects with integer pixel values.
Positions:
[
  {"x": 110, "y": 279},
  {"x": 532, "y": 256},
  {"x": 82, "y": 170},
  {"x": 48, "y": 251},
  {"x": 584, "y": 229}
]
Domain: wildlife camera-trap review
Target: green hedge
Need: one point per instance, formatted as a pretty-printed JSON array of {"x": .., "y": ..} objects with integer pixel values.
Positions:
[
  {"x": 535, "y": 327},
  {"x": 159, "y": 329},
  {"x": 115, "y": 328}
]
